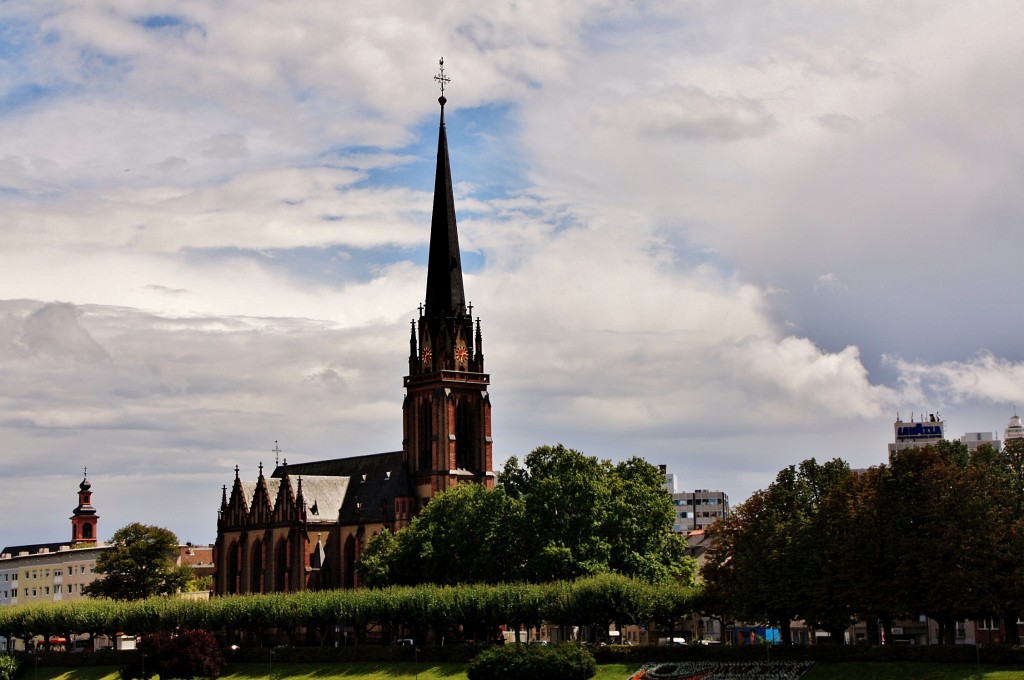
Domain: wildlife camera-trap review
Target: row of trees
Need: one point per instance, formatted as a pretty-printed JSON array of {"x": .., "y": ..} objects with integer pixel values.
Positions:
[
  {"x": 560, "y": 516},
  {"x": 938, "y": 531},
  {"x": 475, "y": 610}
]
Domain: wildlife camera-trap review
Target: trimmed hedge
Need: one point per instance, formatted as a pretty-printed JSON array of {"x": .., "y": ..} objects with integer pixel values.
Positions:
[
  {"x": 537, "y": 662},
  {"x": 475, "y": 609}
]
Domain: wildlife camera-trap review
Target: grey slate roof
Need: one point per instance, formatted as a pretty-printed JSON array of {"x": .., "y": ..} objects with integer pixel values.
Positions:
[
  {"x": 14, "y": 550},
  {"x": 372, "y": 483}
]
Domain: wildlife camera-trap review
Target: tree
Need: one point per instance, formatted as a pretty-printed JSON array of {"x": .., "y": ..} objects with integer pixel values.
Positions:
[
  {"x": 770, "y": 560},
  {"x": 185, "y": 654},
  {"x": 562, "y": 516},
  {"x": 468, "y": 534},
  {"x": 586, "y": 517},
  {"x": 139, "y": 563},
  {"x": 1011, "y": 567},
  {"x": 946, "y": 519}
]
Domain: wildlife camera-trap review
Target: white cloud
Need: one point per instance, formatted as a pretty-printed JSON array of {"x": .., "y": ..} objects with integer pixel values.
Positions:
[{"x": 709, "y": 227}]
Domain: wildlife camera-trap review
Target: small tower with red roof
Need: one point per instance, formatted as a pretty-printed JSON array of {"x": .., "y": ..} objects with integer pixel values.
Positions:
[{"x": 84, "y": 520}]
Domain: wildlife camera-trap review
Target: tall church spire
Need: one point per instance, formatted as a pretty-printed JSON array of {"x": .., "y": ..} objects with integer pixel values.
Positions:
[
  {"x": 445, "y": 294},
  {"x": 447, "y": 410}
]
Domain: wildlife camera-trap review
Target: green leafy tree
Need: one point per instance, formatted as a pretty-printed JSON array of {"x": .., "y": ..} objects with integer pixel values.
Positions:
[
  {"x": 468, "y": 534},
  {"x": 1011, "y": 567},
  {"x": 945, "y": 509},
  {"x": 567, "y": 499},
  {"x": 584, "y": 517},
  {"x": 138, "y": 564},
  {"x": 638, "y": 525},
  {"x": 560, "y": 517},
  {"x": 769, "y": 560}
]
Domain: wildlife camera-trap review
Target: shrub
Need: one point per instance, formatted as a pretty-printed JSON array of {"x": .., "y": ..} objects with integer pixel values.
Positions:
[
  {"x": 512, "y": 662},
  {"x": 188, "y": 654},
  {"x": 8, "y": 666}
]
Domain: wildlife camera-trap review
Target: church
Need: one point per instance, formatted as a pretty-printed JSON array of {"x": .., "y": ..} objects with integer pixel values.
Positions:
[{"x": 304, "y": 526}]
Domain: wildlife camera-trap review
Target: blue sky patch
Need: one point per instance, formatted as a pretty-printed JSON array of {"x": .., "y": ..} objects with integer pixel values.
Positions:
[
  {"x": 332, "y": 266},
  {"x": 160, "y": 21},
  {"x": 481, "y": 147},
  {"x": 22, "y": 95}
]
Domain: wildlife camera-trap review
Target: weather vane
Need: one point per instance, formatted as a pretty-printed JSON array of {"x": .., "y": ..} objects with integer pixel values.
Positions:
[{"x": 441, "y": 78}]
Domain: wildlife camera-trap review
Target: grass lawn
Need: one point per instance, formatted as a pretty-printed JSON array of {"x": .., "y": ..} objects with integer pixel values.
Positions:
[{"x": 453, "y": 671}]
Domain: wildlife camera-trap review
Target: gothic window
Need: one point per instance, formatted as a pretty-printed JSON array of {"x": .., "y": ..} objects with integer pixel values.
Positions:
[
  {"x": 425, "y": 426},
  {"x": 256, "y": 568},
  {"x": 234, "y": 566},
  {"x": 281, "y": 566},
  {"x": 466, "y": 436}
]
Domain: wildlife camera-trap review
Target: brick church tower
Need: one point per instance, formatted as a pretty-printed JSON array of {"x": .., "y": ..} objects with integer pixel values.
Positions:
[
  {"x": 447, "y": 410},
  {"x": 84, "y": 519}
]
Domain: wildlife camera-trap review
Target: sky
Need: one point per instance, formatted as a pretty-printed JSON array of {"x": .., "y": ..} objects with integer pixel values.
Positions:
[{"x": 722, "y": 236}]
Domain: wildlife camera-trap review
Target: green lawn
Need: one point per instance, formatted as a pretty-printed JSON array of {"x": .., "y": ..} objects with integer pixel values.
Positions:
[{"x": 433, "y": 671}]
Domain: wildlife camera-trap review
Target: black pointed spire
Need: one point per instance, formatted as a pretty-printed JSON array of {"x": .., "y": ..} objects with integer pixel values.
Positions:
[{"x": 445, "y": 294}]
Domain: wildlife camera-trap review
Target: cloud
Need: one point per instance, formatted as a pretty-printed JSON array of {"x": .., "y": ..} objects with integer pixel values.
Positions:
[
  {"x": 692, "y": 114},
  {"x": 53, "y": 330},
  {"x": 695, "y": 232},
  {"x": 985, "y": 378},
  {"x": 829, "y": 283},
  {"x": 225, "y": 147}
]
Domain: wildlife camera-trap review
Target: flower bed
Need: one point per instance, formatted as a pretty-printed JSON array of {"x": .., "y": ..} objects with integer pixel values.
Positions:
[{"x": 719, "y": 670}]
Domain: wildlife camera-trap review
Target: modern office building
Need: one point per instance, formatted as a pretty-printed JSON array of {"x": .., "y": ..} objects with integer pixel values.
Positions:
[
  {"x": 929, "y": 430},
  {"x": 698, "y": 509}
]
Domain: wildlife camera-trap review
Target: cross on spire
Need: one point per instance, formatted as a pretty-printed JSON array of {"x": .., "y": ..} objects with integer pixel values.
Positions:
[
  {"x": 277, "y": 454},
  {"x": 442, "y": 79}
]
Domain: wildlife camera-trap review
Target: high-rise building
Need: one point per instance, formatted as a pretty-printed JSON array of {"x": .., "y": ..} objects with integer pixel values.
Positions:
[
  {"x": 698, "y": 509},
  {"x": 1014, "y": 430},
  {"x": 929, "y": 430},
  {"x": 974, "y": 440}
]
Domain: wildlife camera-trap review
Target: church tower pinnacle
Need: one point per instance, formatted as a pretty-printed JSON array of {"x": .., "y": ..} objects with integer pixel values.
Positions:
[
  {"x": 447, "y": 410},
  {"x": 84, "y": 519}
]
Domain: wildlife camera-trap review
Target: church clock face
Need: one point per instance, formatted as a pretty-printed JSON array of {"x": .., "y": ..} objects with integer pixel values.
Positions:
[
  {"x": 461, "y": 355},
  {"x": 427, "y": 354}
]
